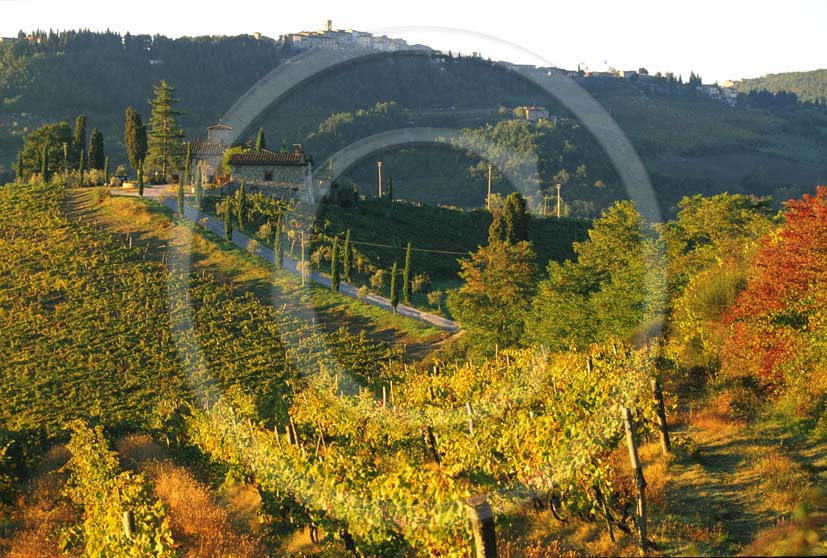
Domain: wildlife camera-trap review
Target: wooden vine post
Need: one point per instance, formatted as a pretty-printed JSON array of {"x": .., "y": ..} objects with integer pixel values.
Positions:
[
  {"x": 482, "y": 525},
  {"x": 128, "y": 521},
  {"x": 665, "y": 445},
  {"x": 640, "y": 519}
]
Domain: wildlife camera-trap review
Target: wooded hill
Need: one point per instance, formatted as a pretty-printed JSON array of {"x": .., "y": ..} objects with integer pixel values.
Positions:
[{"x": 690, "y": 144}]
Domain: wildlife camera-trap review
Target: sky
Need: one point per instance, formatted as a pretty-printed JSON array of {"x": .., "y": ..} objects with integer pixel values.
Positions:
[{"x": 720, "y": 40}]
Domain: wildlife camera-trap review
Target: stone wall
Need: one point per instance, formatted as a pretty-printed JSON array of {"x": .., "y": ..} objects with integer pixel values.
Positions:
[{"x": 287, "y": 181}]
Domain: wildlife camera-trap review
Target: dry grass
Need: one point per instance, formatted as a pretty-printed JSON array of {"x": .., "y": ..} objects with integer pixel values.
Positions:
[
  {"x": 784, "y": 482},
  {"x": 201, "y": 526},
  {"x": 41, "y": 511}
]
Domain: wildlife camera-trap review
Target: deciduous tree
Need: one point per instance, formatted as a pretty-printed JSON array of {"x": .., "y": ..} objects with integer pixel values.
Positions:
[
  {"x": 616, "y": 289},
  {"x": 779, "y": 322},
  {"x": 496, "y": 295},
  {"x": 50, "y": 136}
]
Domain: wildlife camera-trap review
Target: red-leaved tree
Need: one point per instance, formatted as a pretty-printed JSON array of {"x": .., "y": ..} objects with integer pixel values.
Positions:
[{"x": 775, "y": 319}]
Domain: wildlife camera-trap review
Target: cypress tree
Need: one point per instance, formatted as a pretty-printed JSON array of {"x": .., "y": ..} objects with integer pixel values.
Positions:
[
  {"x": 187, "y": 166},
  {"x": 390, "y": 188},
  {"x": 240, "y": 206},
  {"x": 394, "y": 294},
  {"x": 106, "y": 171},
  {"x": 79, "y": 135},
  {"x": 228, "y": 222},
  {"x": 181, "y": 197},
  {"x": 406, "y": 276},
  {"x": 261, "y": 143},
  {"x": 20, "y": 167},
  {"x": 141, "y": 180},
  {"x": 96, "y": 152},
  {"x": 81, "y": 166},
  {"x": 135, "y": 138},
  {"x": 278, "y": 250},
  {"x": 44, "y": 164},
  {"x": 346, "y": 261},
  {"x": 199, "y": 191},
  {"x": 334, "y": 267}
]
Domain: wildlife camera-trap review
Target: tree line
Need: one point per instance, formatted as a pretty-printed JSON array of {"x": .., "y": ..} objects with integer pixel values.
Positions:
[{"x": 56, "y": 151}]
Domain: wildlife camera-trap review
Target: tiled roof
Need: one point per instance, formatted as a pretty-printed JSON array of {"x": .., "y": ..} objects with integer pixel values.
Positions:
[
  {"x": 201, "y": 148},
  {"x": 266, "y": 157}
]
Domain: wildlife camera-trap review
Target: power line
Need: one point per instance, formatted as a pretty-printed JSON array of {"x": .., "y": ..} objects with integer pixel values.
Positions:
[{"x": 412, "y": 248}]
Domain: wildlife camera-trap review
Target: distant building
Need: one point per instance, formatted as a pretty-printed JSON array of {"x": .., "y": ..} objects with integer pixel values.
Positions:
[
  {"x": 729, "y": 95},
  {"x": 339, "y": 38},
  {"x": 276, "y": 174},
  {"x": 628, "y": 74},
  {"x": 532, "y": 114},
  {"x": 711, "y": 91}
]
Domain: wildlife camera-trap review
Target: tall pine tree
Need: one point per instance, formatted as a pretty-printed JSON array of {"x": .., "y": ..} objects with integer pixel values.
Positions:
[
  {"x": 20, "y": 166},
  {"x": 106, "y": 171},
  {"x": 164, "y": 132},
  {"x": 261, "y": 143}
]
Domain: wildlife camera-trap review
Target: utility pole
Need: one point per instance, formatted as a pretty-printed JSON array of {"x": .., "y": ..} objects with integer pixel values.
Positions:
[
  {"x": 302, "y": 251},
  {"x": 379, "y": 168},
  {"x": 488, "y": 199},
  {"x": 558, "y": 201}
]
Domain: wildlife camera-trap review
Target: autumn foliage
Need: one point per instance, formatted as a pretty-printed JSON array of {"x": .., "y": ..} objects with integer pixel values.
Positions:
[{"x": 779, "y": 319}]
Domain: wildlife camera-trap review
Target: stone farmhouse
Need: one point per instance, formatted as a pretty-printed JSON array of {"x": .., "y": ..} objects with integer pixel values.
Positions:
[{"x": 274, "y": 173}]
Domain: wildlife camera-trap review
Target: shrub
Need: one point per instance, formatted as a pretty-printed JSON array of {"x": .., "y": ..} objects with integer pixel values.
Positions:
[{"x": 377, "y": 280}]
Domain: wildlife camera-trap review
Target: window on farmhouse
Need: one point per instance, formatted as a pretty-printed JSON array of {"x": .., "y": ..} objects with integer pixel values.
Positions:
[{"x": 268, "y": 176}]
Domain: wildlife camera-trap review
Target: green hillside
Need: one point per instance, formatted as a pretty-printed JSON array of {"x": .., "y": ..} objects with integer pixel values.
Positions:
[
  {"x": 689, "y": 143},
  {"x": 809, "y": 86}
]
